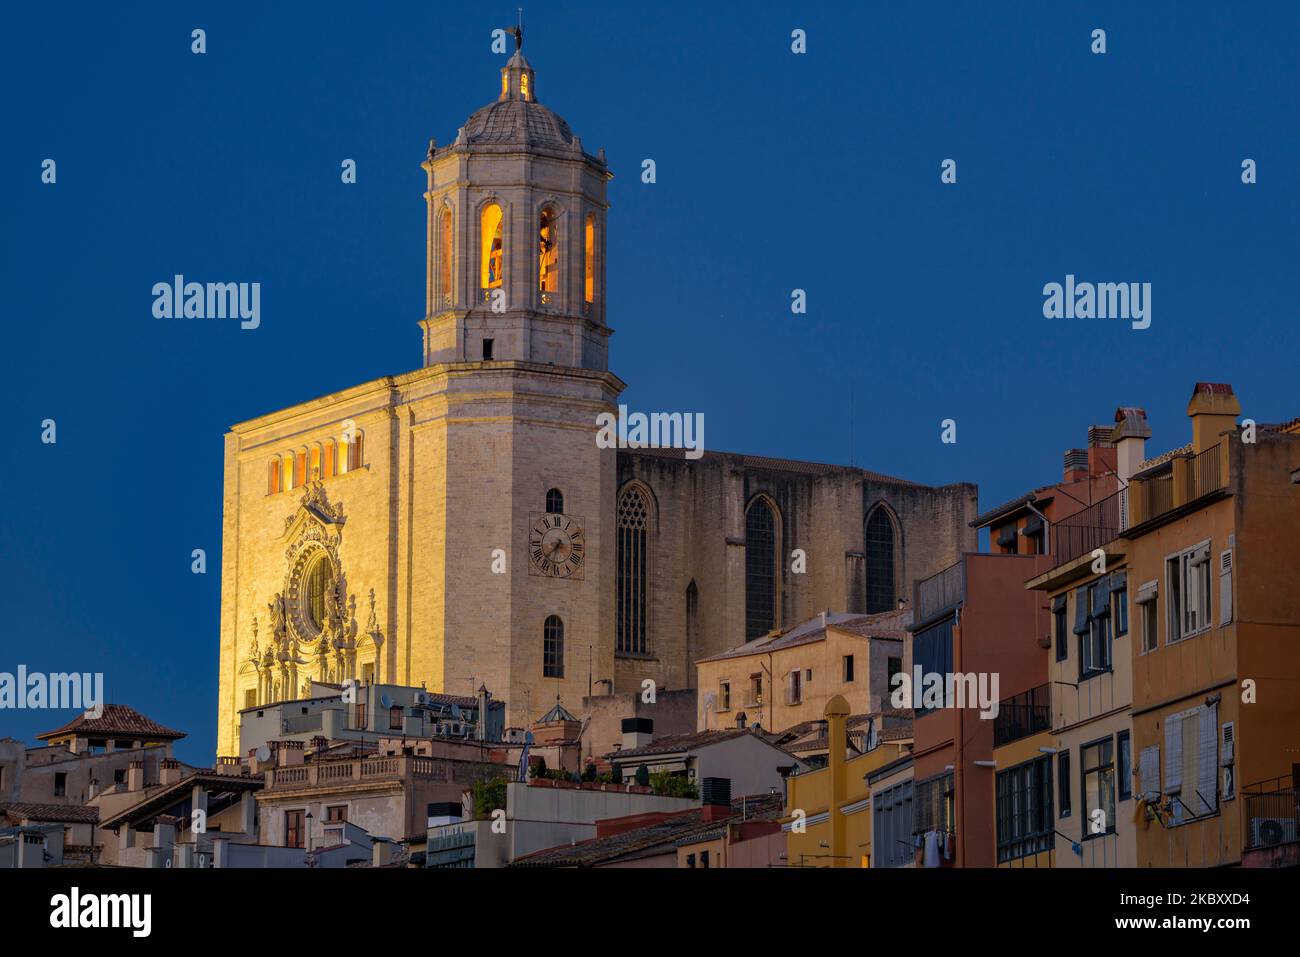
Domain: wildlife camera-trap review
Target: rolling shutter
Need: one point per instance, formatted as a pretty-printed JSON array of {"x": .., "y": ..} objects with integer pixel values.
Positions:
[
  {"x": 1207, "y": 767},
  {"x": 1173, "y": 754},
  {"x": 1149, "y": 772}
]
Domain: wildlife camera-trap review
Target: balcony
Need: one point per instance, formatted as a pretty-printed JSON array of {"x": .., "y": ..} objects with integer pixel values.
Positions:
[
  {"x": 1086, "y": 530},
  {"x": 397, "y": 768},
  {"x": 938, "y": 594},
  {"x": 1182, "y": 480},
  {"x": 1270, "y": 812},
  {"x": 1022, "y": 715}
]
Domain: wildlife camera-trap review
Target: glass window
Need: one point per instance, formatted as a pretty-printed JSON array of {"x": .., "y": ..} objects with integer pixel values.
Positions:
[
  {"x": 760, "y": 570},
  {"x": 1097, "y": 773},
  {"x": 553, "y": 648},
  {"x": 631, "y": 584},
  {"x": 493, "y": 247},
  {"x": 555, "y": 501},
  {"x": 1119, "y": 599},
  {"x": 1125, "y": 748},
  {"x": 1063, "y": 781},
  {"x": 589, "y": 259},
  {"x": 880, "y": 561},
  {"x": 317, "y": 582},
  {"x": 1024, "y": 809},
  {"x": 548, "y": 252}
]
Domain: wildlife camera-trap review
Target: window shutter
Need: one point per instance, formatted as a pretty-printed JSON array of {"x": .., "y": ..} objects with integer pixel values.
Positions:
[
  {"x": 1149, "y": 772},
  {"x": 1147, "y": 592},
  {"x": 1081, "y": 611},
  {"x": 1207, "y": 768},
  {"x": 1173, "y": 754},
  {"x": 1101, "y": 598},
  {"x": 1225, "y": 587}
]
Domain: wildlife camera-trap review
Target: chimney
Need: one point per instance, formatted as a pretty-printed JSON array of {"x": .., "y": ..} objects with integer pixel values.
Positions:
[
  {"x": 135, "y": 776},
  {"x": 1213, "y": 409},
  {"x": 169, "y": 771},
  {"x": 715, "y": 798},
  {"x": 287, "y": 753},
  {"x": 1130, "y": 437},
  {"x": 1076, "y": 465},
  {"x": 1101, "y": 450},
  {"x": 637, "y": 732}
]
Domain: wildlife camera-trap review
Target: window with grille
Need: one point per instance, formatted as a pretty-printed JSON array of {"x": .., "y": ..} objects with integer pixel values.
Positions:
[
  {"x": 632, "y": 580},
  {"x": 760, "y": 570},
  {"x": 880, "y": 561},
  {"x": 553, "y": 648},
  {"x": 1024, "y": 809}
]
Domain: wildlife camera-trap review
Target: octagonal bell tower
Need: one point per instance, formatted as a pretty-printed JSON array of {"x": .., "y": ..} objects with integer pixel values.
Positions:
[{"x": 516, "y": 237}]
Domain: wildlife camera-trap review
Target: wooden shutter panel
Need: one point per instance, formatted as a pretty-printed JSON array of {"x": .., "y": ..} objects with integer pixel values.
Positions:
[
  {"x": 1225, "y": 587},
  {"x": 1207, "y": 768},
  {"x": 1173, "y": 754},
  {"x": 1149, "y": 772}
]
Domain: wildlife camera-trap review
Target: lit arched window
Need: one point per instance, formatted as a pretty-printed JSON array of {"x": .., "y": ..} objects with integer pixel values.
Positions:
[
  {"x": 444, "y": 256},
  {"x": 589, "y": 259},
  {"x": 760, "y": 569},
  {"x": 331, "y": 458},
  {"x": 494, "y": 250},
  {"x": 286, "y": 472},
  {"x": 356, "y": 452},
  {"x": 553, "y": 648},
  {"x": 633, "y": 557},
  {"x": 273, "y": 477},
  {"x": 548, "y": 252},
  {"x": 317, "y": 580},
  {"x": 555, "y": 501},
  {"x": 880, "y": 541},
  {"x": 314, "y": 464},
  {"x": 300, "y": 470}
]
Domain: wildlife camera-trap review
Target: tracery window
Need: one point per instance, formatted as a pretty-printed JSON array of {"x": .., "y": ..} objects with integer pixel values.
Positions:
[
  {"x": 633, "y": 557},
  {"x": 760, "y": 569},
  {"x": 880, "y": 545}
]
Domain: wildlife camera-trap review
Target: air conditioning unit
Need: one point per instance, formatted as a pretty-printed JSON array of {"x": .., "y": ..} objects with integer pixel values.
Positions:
[
  {"x": 453, "y": 729},
  {"x": 1271, "y": 831},
  {"x": 421, "y": 698}
]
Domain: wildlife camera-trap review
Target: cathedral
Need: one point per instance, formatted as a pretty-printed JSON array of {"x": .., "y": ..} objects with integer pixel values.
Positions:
[{"x": 459, "y": 525}]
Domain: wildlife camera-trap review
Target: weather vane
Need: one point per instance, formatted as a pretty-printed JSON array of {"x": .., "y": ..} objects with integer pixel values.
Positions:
[{"x": 519, "y": 31}]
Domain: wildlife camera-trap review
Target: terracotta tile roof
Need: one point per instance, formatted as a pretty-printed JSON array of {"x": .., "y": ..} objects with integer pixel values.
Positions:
[
  {"x": 885, "y": 624},
  {"x": 658, "y": 838},
  {"x": 671, "y": 743},
  {"x": 117, "y": 719},
  {"x": 56, "y": 813}
]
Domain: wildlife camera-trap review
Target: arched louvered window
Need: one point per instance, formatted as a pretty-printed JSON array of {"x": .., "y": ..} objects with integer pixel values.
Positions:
[
  {"x": 633, "y": 572},
  {"x": 553, "y": 648},
  {"x": 760, "y": 569},
  {"x": 881, "y": 543}
]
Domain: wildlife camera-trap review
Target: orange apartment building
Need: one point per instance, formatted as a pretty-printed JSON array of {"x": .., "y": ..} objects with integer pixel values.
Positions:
[{"x": 1213, "y": 551}]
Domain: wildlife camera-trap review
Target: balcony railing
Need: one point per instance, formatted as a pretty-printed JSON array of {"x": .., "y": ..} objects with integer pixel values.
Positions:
[
  {"x": 1086, "y": 530},
  {"x": 1022, "y": 715},
  {"x": 940, "y": 592},
  {"x": 397, "y": 768},
  {"x": 1186, "y": 479}
]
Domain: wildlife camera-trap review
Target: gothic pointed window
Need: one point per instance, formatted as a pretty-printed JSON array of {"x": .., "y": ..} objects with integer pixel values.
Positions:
[
  {"x": 760, "y": 569},
  {"x": 880, "y": 540},
  {"x": 315, "y": 583},
  {"x": 492, "y": 236},
  {"x": 553, "y": 647},
  {"x": 548, "y": 252},
  {"x": 444, "y": 256},
  {"x": 589, "y": 259},
  {"x": 631, "y": 585}
]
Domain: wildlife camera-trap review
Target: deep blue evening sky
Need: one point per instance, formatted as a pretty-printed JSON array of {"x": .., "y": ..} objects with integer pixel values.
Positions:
[{"x": 775, "y": 171}]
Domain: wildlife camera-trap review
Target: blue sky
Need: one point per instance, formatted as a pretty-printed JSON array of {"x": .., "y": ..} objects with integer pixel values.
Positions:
[{"x": 775, "y": 172}]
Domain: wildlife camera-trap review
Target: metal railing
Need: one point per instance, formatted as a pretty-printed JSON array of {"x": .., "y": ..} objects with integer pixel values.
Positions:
[
  {"x": 1022, "y": 715},
  {"x": 939, "y": 592},
  {"x": 1086, "y": 530}
]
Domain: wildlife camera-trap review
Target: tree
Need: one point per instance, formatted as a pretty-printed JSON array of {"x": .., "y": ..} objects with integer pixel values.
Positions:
[
  {"x": 642, "y": 775},
  {"x": 489, "y": 796},
  {"x": 666, "y": 784}
]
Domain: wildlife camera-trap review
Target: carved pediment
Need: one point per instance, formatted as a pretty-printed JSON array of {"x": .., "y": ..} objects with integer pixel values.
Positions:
[{"x": 313, "y": 508}]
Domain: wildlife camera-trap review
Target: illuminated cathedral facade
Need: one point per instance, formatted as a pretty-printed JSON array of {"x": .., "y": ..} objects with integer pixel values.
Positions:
[{"x": 458, "y": 525}]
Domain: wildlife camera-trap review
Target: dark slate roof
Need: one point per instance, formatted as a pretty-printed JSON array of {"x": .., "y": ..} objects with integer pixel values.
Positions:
[
  {"x": 156, "y": 800},
  {"x": 885, "y": 624},
  {"x": 60, "y": 813},
  {"x": 117, "y": 719},
  {"x": 655, "y": 838},
  {"x": 774, "y": 464}
]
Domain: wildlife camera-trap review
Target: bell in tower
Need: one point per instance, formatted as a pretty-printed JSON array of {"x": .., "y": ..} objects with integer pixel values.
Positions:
[{"x": 516, "y": 237}]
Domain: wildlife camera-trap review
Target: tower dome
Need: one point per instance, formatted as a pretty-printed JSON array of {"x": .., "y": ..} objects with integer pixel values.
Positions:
[{"x": 516, "y": 118}]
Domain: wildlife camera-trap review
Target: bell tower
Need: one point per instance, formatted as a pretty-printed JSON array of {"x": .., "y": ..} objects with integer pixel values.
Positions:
[{"x": 516, "y": 236}]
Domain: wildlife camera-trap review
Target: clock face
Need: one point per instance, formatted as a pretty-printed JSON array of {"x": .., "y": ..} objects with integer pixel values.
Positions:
[{"x": 556, "y": 547}]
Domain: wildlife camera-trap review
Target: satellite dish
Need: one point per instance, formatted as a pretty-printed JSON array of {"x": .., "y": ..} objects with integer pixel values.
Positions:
[
  {"x": 455, "y": 711},
  {"x": 264, "y": 753},
  {"x": 386, "y": 701}
]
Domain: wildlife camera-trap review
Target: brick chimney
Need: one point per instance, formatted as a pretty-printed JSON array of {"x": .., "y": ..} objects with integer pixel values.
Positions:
[
  {"x": 1213, "y": 409},
  {"x": 287, "y": 753},
  {"x": 169, "y": 771},
  {"x": 1130, "y": 437},
  {"x": 715, "y": 798},
  {"x": 637, "y": 732},
  {"x": 135, "y": 776}
]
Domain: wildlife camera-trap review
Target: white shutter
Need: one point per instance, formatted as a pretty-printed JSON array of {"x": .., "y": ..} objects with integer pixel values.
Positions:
[
  {"x": 1173, "y": 754},
  {"x": 1149, "y": 772},
  {"x": 1225, "y": 587},
  {"x": 1207, "y": 767}
]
